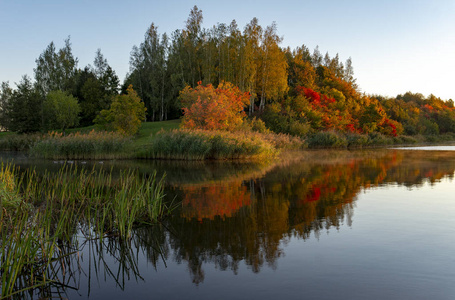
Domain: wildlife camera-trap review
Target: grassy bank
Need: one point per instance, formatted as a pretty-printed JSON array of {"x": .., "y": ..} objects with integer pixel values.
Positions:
[
  {"x": 337, "y": 140},
  {"x": 163, "y": 140},
  {"x": 199, "y": 145},
  {"x": 41, "y": 213}
]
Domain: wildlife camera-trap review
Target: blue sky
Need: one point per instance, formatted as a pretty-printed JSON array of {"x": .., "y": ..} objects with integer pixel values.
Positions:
[{"x": 396, "y": 46}]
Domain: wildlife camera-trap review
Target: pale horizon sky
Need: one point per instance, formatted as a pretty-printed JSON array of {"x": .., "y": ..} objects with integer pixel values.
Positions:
[{"x": 396, "y": 46}]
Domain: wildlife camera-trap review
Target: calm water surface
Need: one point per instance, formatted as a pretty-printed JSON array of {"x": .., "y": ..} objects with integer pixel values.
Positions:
[{"x": 326, "y": 225}]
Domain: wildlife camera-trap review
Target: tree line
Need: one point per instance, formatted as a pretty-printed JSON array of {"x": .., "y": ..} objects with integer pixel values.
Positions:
[
  {"x": 61, "y": 95},
  {"x": 294, "y": 91}
]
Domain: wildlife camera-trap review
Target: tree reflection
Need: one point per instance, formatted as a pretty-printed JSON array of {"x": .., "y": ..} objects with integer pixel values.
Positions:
[{"x": 248, "y": 220}]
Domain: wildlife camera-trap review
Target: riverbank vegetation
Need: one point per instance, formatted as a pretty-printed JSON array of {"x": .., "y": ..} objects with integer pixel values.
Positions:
[
  {"x": 92, "y": 145},
  {"x": 219, "y": 78},
  {"x": 200, "y": 144},
  {"x": 44, "y": 216}
]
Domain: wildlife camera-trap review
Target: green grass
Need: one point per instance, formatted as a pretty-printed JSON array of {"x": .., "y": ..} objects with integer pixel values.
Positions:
[
  {"x": 86, "y": 129},
  {"x": 149, "y": 129},
  {"x": 146, "y": 129}
]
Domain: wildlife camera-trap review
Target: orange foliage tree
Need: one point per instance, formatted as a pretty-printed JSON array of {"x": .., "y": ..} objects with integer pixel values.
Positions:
[{"x": 205, "y": 107}]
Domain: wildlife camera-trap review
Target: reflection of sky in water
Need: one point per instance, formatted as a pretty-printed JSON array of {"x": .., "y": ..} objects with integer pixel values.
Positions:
[
  {"x": 400, "y": 246},
  {"x": 429, "y": 148}
]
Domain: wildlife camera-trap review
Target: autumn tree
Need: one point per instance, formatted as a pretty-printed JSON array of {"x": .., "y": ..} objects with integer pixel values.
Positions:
[
  {"x": 273, "y": 70},
  {"x": 251, "y": 63},
  {"x": 300, "y": 70},
  {"x": 208, "y": 108}
]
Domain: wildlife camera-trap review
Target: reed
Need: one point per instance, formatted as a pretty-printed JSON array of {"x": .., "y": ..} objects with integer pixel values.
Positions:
[
  {"x": 283, "y": 141},
  {"x": 184, "y": 144},
  {"x": 92, "y": 145},
  {"x": 52, "y": 208},
  {"x": 19, "y": 142}
]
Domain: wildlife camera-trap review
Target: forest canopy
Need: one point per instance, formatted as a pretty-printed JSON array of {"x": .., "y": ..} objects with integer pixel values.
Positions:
[{"x": 294, "y": 91}]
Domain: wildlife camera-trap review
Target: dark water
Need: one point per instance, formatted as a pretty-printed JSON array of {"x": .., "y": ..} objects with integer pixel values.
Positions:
[{"x": 322, "y": 225}]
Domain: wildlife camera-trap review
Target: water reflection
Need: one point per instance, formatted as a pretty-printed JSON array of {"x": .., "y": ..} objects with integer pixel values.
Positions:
[
  {"x": 243, "y": 213},
  {"x": 247, "y": 220}
]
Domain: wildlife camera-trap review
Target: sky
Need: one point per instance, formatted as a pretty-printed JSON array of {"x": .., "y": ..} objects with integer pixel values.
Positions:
[{"x": 396, "y": 46}]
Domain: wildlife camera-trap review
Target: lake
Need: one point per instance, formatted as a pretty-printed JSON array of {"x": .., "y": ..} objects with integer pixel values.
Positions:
[{"x": 372, "y": 224}]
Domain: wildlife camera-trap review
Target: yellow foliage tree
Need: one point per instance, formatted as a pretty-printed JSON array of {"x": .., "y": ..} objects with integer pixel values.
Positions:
[{"x": 125, "y": 115}]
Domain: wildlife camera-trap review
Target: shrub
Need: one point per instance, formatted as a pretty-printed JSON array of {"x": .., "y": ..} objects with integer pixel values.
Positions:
[
  {"x": 298, "y": 128},
  {"x": 378, "y": 139},
  {"x": 405, "y": 139},
  {"x": 252, "y": 125},
  {"x": 281, "y": 119},
  {"x": 205, "y": 107},
  {"x": 327, "y": 139},
  {"x": 357, "y": 140}
]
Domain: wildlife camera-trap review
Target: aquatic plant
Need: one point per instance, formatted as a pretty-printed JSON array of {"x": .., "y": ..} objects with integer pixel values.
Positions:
[{"x": 39, "y": 212}]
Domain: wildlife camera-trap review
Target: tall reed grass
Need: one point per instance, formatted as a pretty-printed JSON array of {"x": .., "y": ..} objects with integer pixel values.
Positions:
[
  {"x": 92, "y": 145},
  {"x": 19, "y": 142},
  {"x": 40, "y": 212},
  {"x": 187, "y": 144},
  {"x": 283, "y": 141}
]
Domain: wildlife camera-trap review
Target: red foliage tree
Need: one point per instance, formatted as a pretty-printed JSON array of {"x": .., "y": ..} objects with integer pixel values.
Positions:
[{"x": 205, "y": 107}]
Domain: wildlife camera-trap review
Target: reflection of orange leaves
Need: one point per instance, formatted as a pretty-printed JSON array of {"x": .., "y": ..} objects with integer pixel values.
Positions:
[
  {"x": 317, "y": 192},
  {"x": 214, "y": 200},
  {"x": 314, "y": 195},
  {"x": 429, "y": 173}
]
